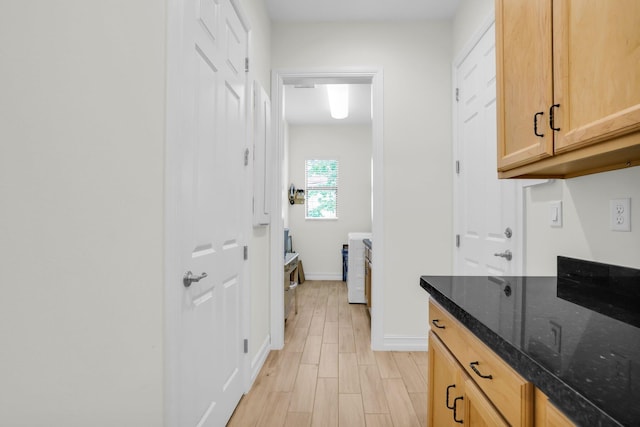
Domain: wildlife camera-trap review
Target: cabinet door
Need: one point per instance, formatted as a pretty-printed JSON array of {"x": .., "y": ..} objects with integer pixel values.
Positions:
[
  {"x": 444, "y": 386},
  {"x": 524, "y": 76},
  {"x": 596, "y": 71},
  {"x": 479, "y": 412},
  {"x": 548, "y": 415}
]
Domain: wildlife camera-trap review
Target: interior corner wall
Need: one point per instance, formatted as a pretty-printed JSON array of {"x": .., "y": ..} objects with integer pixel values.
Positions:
[
  {"x": 319, "y": 242},
  {"x": 82, "y": 143},
  {"x": 416, "y": 62},
  {"x": 469, "y": 17},
  {"x": 260, "y": 243},
  {"x": 585, "y": 231}
]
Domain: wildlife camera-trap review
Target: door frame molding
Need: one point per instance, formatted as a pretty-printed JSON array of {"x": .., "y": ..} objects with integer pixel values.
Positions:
[
  {"x": 520, "y": 208},
  {"x": 281, "y": 77},
  {"x": 247, "y": 210}
]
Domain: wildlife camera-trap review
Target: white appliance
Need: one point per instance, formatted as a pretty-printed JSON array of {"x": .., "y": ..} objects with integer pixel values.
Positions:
[{"x": 355, "y": 268}]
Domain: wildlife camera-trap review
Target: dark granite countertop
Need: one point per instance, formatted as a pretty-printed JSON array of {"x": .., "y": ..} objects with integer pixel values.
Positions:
[{"x": 575, "y": 336}]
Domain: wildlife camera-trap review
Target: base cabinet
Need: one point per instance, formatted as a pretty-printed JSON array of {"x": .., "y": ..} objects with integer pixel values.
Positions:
[
  {"x": 471, "y": 386},
  {"x": 547, "y": 415},
  {"x": 454, "y": 398},
  {"x": 444, "y": 385},
  {"x": 479, "y": 412}
]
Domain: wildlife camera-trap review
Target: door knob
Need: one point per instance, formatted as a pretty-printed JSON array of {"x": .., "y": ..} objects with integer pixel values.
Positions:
[
  {"x": 506, "y": 254},
  {"x": 189, "y": 278}
]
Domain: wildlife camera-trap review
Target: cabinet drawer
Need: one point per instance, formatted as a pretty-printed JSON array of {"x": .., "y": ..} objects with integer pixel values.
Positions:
[
  {"x": 505, "y": 388},
  {"x": 450, "y": 331}
]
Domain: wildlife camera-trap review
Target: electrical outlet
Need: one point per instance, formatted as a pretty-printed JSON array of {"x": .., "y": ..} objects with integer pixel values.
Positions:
[{"x": 620, "y": 214}]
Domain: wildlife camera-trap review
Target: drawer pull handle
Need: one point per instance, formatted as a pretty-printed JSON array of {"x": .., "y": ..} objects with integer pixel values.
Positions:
[
  {"x": 447, "y": 397},
  {"x": 535, "y": 124},
  {"x": 551, "y": 117},
  {"x": 473, "y": 366},
  {"x": 455, "y": 406},
  {"x": 435, "y": 323}
]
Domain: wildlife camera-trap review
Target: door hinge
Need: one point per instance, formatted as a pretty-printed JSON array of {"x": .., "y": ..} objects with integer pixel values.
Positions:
[
  {"x": 457, "y": 94},
  {"x": 457, "y": 240},
  {"x": 246, "y": 345},
  {"x": 458, "y": 167},
  {"x": 246, "y": 157},
  {"x": 246, "y": 253},
  {"x": 246, "y": 64}
]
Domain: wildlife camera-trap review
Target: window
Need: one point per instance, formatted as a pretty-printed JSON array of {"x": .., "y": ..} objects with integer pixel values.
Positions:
[{"x": 321, "y": 182}]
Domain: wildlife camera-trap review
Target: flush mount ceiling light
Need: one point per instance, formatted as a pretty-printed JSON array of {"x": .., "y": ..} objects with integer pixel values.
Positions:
[{"x": 338, "y": 100}]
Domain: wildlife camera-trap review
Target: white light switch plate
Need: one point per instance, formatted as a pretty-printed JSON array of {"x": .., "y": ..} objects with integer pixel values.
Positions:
[
  {"x": 620, "y": 214},
  {"x": 555, "y": 214}
]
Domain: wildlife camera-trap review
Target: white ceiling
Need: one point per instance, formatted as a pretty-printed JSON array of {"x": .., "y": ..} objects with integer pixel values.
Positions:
[
  {"x": 311, "y": 105},
  {"x": 360, "y": 10}
]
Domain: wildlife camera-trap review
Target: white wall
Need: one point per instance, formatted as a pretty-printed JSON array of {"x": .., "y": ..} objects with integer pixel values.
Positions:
[
  {"x": 470, "y": 15},
  {"x": 416, "y": 59},
  {"x": 82, "y": 129},
  {"x": 319, "y": 242},
  {"x": 585, "y": 233},
  {"x": 81, "y": 223}
]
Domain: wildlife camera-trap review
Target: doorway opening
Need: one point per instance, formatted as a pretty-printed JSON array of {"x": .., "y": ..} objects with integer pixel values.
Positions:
[{"x": 280, "y": 80}]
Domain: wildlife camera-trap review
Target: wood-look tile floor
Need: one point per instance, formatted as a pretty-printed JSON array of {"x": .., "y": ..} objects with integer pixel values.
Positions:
[{"x": 327, "y": 375}]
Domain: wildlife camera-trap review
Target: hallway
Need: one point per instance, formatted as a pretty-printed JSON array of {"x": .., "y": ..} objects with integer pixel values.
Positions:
[{"x": 327, "y": 375}]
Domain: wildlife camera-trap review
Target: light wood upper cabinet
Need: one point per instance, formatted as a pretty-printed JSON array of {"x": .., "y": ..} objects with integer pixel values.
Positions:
[
  {"x": 524, "y": 75},
  {"x": 596, "y": 70},
  {"x": 583, "y": 57}
]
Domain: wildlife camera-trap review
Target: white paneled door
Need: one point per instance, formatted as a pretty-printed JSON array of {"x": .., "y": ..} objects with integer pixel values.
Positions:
[
  {"x": 486, "y": 211},
  {"x": 210, "y": 354}
]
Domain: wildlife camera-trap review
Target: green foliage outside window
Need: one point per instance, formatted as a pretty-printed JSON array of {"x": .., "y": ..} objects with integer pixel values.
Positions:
[{"x": 321, "y": 188}]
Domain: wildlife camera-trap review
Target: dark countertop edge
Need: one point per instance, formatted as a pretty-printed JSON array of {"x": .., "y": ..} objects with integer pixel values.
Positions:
[
  {"x": 574, "y": 405},
  {"x": 367, "y": 243}
]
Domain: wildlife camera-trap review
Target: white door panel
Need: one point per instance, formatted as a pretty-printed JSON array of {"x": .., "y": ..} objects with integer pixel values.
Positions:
[
  {"x": 212, "y": 184},
  {"x": 485, "y": 206}
]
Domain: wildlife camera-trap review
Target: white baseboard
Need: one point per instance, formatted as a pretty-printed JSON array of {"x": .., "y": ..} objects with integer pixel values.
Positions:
[
  {"x": 405, "y": 343},
  {"x": 261, "y": 356},
  {"x": 322, "y": 276}
]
